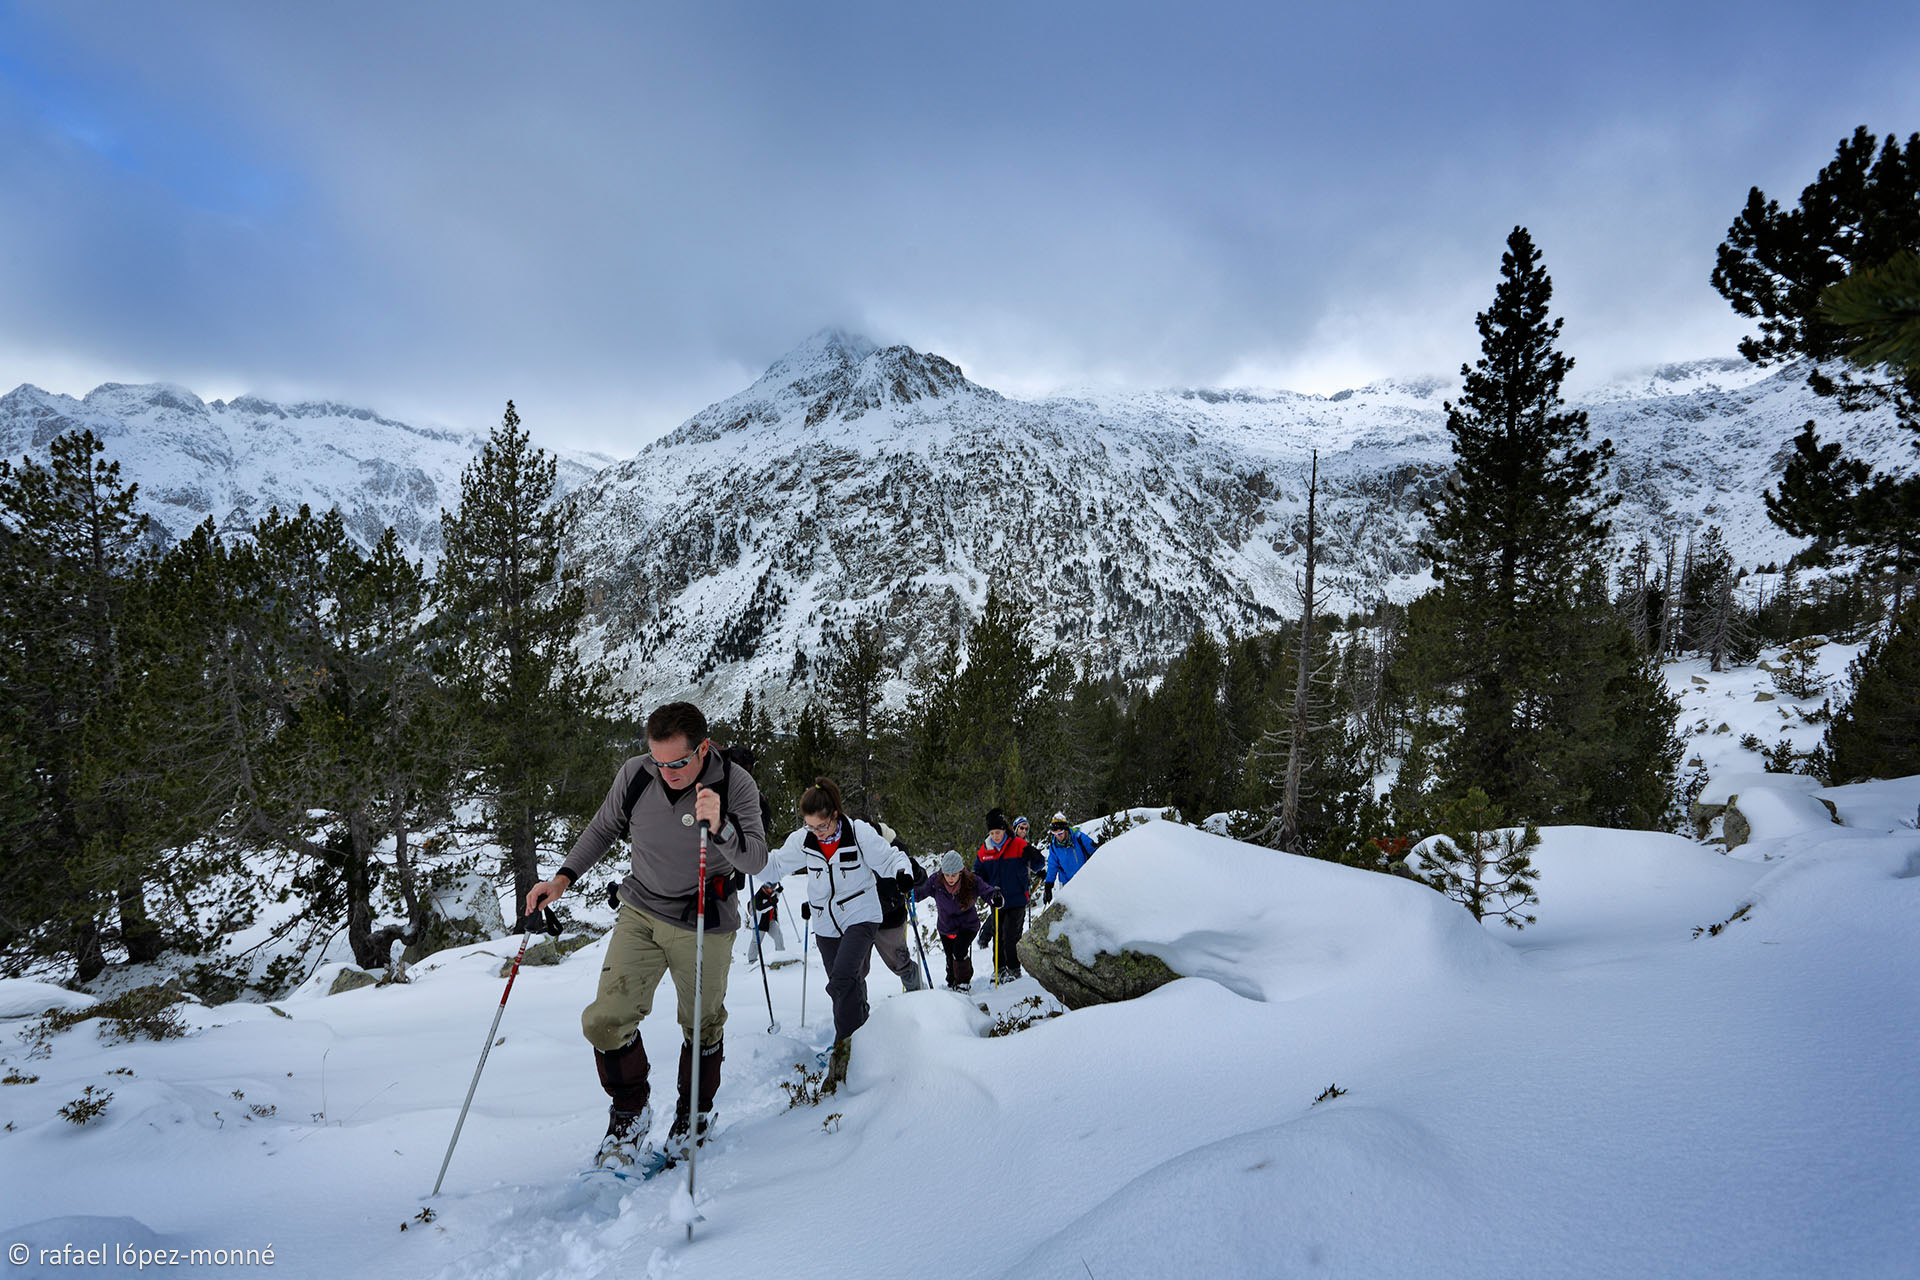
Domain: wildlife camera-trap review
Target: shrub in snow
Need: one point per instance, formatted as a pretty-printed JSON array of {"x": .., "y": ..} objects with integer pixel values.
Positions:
[
  {"x": 1480, "y": 862},
  {"x": 88, "y": 1107},
  {"x": 1798, "y": 675},
  {"x": 144, "y": 1013}
]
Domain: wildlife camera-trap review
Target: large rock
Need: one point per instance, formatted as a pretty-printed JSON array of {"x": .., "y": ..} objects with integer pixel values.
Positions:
[
  {"x": 1048, "y": 956},
  {"x": 1763, "y": 813},
  {"x": 464, "y": 912},
  {"x": 1723, "y": 789},
  {"x": 351, "y": 979}
]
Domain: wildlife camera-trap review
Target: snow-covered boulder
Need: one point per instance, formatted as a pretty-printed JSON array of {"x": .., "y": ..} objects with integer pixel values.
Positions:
[
  {"x": 1891, "y": 804},
  {"x": 1267, "y": 925},
  {"x": 1721, "y": 789},
  {"x": 468, "y": 910},
  {"x": 1105, "y": 978},
  {"x": 24, "y": 998},
  {"x": 1767, "y": 813},
  {"x": 351, "y": 979}
]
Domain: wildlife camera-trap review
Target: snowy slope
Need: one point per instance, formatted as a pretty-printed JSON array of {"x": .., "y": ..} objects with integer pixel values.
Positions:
[
  {"x": 853, "y": 480},
  {"x": 234, "y": 460},
  {"x": 1603, "y": 1094}
]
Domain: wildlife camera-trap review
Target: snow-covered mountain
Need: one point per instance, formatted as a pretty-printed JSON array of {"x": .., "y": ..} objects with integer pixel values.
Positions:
[
  {"x": 234, "y": 460},
  {"x": 852, "y": 480}
]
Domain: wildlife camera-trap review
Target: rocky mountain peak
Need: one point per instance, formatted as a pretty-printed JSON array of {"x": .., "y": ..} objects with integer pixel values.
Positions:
[{"x": 833, "y": 375}]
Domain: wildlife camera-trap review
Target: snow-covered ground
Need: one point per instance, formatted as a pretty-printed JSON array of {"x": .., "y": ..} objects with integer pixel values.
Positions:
[
  {"x": 1620, "y": 1089},
  {"x": 1604, "y": 1093}
]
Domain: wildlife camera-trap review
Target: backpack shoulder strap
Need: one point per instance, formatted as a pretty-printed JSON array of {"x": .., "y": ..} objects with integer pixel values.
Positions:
[
  {"x": 636, "y": 787},
  {"x": 725, "y": 788}
]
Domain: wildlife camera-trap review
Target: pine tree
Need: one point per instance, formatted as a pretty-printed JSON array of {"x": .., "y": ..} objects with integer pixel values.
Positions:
[
  {"x": 1520, "y": 523},
  {"x": 1637, "y": 594},
  {"x": 72, "y": 538},
  {"x": 1823, "y": 280},
  {"x": 1879, "y": 308},
  {"x": 1300, "y": 715},
  {"x": 856, "y": 685},
  {"x": 211, "y": 698},
  {"x": 1481, "y": 863},
  {"x": 1817, "y": 489},
  {"x": 1713, "y": 625},
  {"x": 813, "y": 750},
  {"x": 1193, "y": 745},
  {"x": 1877, "y": 733},
  {"x": 511, "y": 615},
  {"x": 975, "y": 721},
  {"x": 1306, "y": 788},
  {"x": 1607, "y": 744},
  {"x": 1778, "y": 266}
]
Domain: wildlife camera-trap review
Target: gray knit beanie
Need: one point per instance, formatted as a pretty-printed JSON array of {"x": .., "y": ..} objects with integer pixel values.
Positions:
[{"x": 951, "y": 863}]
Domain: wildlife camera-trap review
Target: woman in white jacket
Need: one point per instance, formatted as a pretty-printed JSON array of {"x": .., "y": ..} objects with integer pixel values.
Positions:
[{"x": 844, "y": 860}]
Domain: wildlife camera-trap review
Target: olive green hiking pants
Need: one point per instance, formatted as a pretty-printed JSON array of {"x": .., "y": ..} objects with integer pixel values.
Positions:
[{"x": 642, "y": 949}]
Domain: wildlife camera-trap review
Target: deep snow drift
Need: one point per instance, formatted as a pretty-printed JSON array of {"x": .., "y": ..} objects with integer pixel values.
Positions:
[{"x": 1602, "y": 1094}]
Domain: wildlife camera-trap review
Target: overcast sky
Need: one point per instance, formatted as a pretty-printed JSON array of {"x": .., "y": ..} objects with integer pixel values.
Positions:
[{"x": 617, "y": 213}]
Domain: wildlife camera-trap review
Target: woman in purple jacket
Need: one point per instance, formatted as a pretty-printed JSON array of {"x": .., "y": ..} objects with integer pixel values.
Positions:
[{"x": 956, "y": 894}]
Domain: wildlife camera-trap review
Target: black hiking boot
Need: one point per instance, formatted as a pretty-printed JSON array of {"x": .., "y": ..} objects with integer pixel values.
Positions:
[
  {"x": 837, "y": 1066},
  {"x": 626, "y": 1142},
  {"x": 677, "y": 1144}
]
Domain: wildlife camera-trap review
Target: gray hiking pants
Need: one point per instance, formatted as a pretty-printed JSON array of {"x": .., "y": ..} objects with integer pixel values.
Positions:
[
  {"x": 847, "y": 959},
  {"x": 891, "y": 946}
]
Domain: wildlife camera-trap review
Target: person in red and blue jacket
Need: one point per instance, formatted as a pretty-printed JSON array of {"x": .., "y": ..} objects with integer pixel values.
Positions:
[
  {"x": 1008, "y": 863},
  {"x": 1068, "y": 848}
]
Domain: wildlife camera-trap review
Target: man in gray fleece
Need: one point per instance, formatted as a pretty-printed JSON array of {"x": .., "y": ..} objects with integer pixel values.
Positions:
[{"x": 656, "y": 804}]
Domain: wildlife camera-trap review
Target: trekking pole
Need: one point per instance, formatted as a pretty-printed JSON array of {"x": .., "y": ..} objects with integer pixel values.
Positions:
[
  {"x": 996, "y": 948},
  {"x": 806, "y": 925},
  {"x": 913, "y": 918},
  {"x": 699, "y": 958},
  {"x": 760, "y": 954},
  {"x": 548, "y": 924}
]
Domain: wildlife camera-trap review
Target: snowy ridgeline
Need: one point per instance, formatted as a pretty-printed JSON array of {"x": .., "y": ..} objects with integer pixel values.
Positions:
[
  {"x": 1357, "y": 1080},
  {"x": 852, "y": 479}
]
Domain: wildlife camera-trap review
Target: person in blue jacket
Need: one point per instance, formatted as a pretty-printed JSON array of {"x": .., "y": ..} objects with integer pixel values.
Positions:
[{"x": 1068, "y": 848}]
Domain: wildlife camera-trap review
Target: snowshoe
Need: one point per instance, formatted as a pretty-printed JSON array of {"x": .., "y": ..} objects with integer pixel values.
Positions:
[
  {"x": 626, "y": 1148},
  {"x": 677, "y": 1145}
]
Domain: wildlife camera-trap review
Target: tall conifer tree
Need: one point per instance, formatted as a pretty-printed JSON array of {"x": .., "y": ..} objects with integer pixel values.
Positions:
[
  {"x": 72, "y": 536},
  {"x": 1525, "y": 674},
  {"x": 512, "y": 615}
]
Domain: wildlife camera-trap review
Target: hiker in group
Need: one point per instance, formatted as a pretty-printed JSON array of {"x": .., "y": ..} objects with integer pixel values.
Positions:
[
  {"x": 655, "y": 804},
  {"x": 1008, "y": 863},
  {"x": 1068, "y": 848},
  {"x": 890, "y": 941},
  {"x": 957, "y": 895},
  {"x": 845, "y": 860}
]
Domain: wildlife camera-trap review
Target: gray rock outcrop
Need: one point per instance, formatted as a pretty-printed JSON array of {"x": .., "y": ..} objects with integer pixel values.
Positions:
[{"x": 1048, "y": 956}]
